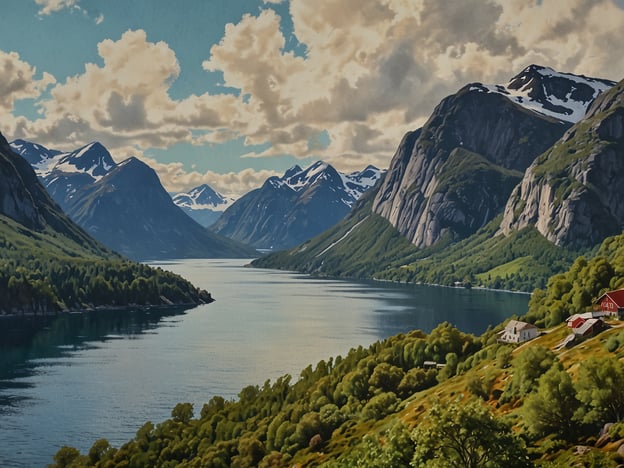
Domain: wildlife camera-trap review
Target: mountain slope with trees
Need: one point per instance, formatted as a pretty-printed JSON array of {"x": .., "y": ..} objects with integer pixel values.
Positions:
[{"x": 48, "y": 264}]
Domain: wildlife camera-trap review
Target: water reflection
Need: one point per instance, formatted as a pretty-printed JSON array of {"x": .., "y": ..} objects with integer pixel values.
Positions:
[
  {"x": 29, "y": 344},
  {"x": 81, "y": 377}
]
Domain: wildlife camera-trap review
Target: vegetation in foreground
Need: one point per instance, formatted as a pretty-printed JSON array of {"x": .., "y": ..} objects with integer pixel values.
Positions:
[{"x": 489, "y": 405}]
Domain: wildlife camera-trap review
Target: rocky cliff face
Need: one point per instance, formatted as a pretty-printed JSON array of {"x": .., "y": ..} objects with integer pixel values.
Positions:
[
  {"x": 574, "y": 193},
  {"x": 430, "y": 192},
  {"x": 16, "y": 200}
]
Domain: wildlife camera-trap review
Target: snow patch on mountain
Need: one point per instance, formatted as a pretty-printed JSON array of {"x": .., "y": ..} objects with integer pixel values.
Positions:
[
  {"x": 353, "y": 184},
  {"x": 92, "y": 159},
  {"x": 203, "y": 197},
  {"x": 563, "y": 96}
]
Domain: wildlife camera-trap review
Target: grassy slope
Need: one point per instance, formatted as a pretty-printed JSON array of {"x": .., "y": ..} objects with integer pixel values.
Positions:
[
  {"x": 357, "y": 247},
  {"x": 415, "y": 407},
  {"x": 366, "y": 245}
]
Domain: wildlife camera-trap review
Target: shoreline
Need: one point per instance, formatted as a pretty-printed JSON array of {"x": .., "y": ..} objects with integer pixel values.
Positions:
[
  {"x": 129, "y": 307},
  {"x": 354, "y": 278}
]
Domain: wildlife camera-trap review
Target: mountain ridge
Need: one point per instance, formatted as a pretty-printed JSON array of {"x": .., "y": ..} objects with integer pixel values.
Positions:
[
  {"x": 427, "y": 183},
  {"x": 487, "y": 124},
  {"x": 49, "y": 264},
  {"x": 124, "y": 205},
  {"x": 289, "y": 209}
]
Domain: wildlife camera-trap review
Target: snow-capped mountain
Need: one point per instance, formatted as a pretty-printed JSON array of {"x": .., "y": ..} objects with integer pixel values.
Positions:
[
  {"x": 92, "y": 159},
  {"x": 290, "y": 209},
  {"x": 63, "y": 174},
  {"x": 35, "y": 154},
  {"x": 203, "y": 204},
  {"x": 563, "y": 96},
  {"x": 123, "y": 205},
  {"x": 353, "y": 184}
]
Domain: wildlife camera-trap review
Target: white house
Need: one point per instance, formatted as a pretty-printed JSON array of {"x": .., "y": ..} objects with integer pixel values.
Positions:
[{"x": 518, "y": 332}]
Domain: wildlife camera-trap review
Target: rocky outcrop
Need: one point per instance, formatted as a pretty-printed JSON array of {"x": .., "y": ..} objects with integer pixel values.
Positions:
[
  {"x": 16, "y": 200},
  {"x": 418, "y": 198},
  {"x": 573, "y": 194}
]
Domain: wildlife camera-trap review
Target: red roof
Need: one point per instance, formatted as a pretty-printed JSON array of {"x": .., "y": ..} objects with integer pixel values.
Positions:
[{"x": 615, "y": 296}]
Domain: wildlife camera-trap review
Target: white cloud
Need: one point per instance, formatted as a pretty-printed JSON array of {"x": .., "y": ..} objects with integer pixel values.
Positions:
[
  {"x": 51, "y": 6},
  {"x": 372, "y": 70},
  {"x": 175, "y": 179},
  {"x": 17, "y": 80},
  {"x": 126, "y": 102},
  {"x": 99, "y": 19}
]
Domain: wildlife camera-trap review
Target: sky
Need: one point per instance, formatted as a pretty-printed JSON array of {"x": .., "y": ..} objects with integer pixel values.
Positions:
[{"x": 230, "y": 92}]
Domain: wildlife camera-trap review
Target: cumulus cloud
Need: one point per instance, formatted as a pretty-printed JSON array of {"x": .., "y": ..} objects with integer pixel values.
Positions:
[
  {"x": 51, "y": 6},
  {"x": 125, "y": 101},
  {"x": 372, "y": 70},
  {"x": 176, "y": 179},
  {"x": 398, "y": 58},
  {"x": 17, "y": 80}
]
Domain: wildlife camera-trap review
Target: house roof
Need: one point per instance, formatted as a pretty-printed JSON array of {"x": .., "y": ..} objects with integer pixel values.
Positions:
[
  {"x": 588, "y": 325},
  {"x": 584, "y": 316},
  {"x": 518, "y": 325},
  {"x": 616, "y": 296}
]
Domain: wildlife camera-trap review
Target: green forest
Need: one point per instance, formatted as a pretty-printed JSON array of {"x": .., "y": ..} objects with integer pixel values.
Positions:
[
  {"x": 486, "y": 404},
  {"x": 370, "y": 247},
  {"x": 41, "y": 272}
]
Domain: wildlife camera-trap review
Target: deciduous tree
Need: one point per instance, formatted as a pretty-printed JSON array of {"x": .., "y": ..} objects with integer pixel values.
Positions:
[{"x": 466, "y": 434}]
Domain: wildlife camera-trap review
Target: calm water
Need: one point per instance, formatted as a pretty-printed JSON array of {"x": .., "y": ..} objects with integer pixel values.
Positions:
[{"x": 103, "y": 374}]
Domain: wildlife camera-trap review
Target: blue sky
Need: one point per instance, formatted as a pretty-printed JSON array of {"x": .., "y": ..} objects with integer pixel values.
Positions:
[{"x": 231, "y": 92}]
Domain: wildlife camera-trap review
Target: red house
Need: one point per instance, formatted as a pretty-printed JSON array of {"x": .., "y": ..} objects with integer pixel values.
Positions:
[
  {"x": 612, "y": 303},
  {"x": 577, "y": 320}
]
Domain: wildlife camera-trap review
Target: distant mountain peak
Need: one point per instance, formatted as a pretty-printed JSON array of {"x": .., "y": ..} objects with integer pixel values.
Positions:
[
  {"x": 38, "y": 156},
  {"x": 541, "y": 89},
  {"x": 203, "y": 203},
  {"x": 93, "y": 159},
  {"x": 292, "y": 171},
  {"x": 290, "y": 209}
]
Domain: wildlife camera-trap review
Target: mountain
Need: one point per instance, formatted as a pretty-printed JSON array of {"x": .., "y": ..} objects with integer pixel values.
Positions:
[
  {"x": 129, "y": 210},
  {"x": 50, "y": 264},
  {"x": 563, "y": 96},
  {"x": 203, "y": 204},
  {"x": 440, "y": 206},
  {"x": 290, "y": 209},
  {"x": 573, "y": 193},
  {"x": 63, "y": 174},
  {"x": 123, "y": 205},
  {"x": 435, "y": 191},
  {"x": 25, "y": 201}
]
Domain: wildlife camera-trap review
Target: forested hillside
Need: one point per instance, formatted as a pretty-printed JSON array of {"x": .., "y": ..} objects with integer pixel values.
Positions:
[
  {"x": 48, "y": 264},
  {"x": 391, "y": 405}
]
